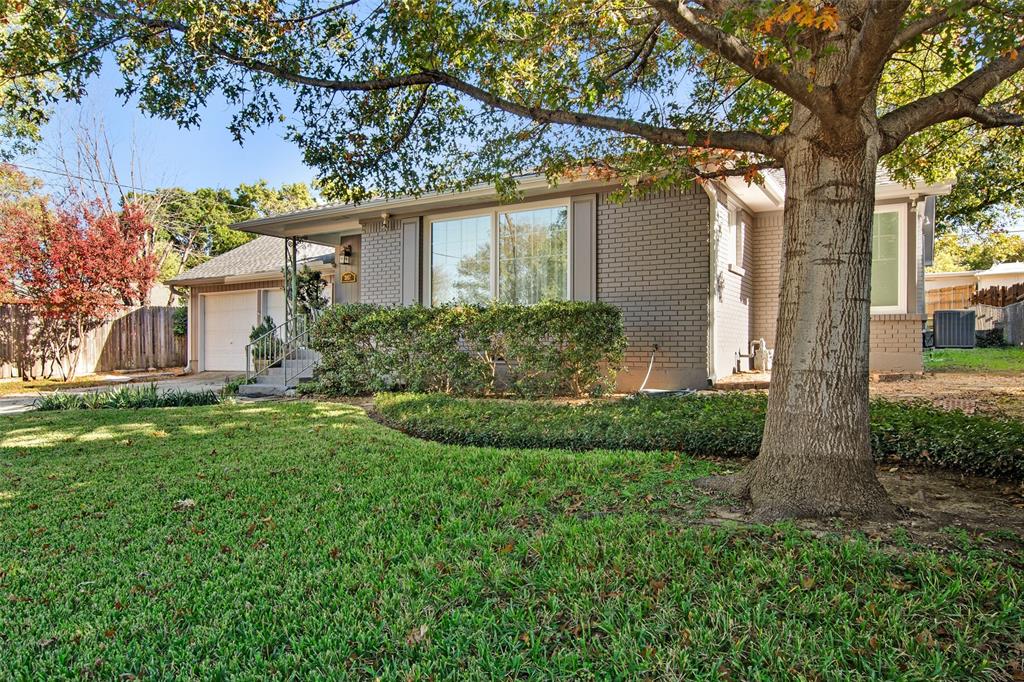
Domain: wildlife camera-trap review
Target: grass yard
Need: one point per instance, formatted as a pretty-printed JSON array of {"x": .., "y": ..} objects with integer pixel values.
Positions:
[
  {"x": 302, "y": 540},
  {"x": 974, "y": 360}
]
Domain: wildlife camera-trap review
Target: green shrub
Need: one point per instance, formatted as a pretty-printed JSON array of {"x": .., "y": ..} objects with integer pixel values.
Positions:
[
  {"x": 723, "y": 425},
  {"x": 180, "y": 322},
  {"x": 553, "y": 348},
  {"x": 126, "y": 397}
]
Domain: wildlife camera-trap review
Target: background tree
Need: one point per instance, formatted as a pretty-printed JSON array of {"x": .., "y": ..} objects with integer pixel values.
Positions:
[
  {"x": 395, "y": 97},
  {"x": 955, "y": 252},
  {"x": 193, "y": 226},
  {"x": 74, "y": 268}
]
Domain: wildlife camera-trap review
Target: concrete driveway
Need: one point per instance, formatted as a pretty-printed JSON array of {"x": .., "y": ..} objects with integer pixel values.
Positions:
[{"x": 213, "y": 381}]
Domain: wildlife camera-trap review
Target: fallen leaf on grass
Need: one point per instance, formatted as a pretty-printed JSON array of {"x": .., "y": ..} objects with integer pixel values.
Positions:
[
  {"x": 416, "y": 635},
  {"x": 186, "y": 504}
]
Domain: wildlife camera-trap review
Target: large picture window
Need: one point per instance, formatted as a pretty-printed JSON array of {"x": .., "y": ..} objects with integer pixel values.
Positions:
[
  {"x": 888, "y": 261},
  {"x": 514, "y": 256}
]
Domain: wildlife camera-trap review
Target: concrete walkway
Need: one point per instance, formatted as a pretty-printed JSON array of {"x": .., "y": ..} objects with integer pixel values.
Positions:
[{"x": 212, "y": 381}]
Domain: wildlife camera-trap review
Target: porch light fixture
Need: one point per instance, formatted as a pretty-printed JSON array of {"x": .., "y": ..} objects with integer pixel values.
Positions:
[{"x": 346, "y": 255}]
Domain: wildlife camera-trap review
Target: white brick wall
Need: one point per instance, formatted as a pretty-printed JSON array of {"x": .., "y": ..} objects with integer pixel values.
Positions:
[{"x": 733, "y": 302}]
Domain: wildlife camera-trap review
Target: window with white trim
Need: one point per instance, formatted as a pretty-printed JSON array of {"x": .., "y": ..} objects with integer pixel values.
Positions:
[
  {"x": 888, "y": 260},
  {"x": 518, "y": 255},
  {"x": 460, "y": 260}
]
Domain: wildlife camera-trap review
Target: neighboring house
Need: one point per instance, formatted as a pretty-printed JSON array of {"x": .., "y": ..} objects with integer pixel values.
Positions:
[
  {"x": 695, "y": 270},
  {"x": 1000, "y": 275},
  {"x": 231, "y": 293},
  {"x": 963, "y": 289}
]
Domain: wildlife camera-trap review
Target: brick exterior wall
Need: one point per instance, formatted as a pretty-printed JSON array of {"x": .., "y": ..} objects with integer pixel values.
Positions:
[
  {"x": 380, "y": 267},
  {"x": 896, "y": 343},
  {"x": 895, "y": 339},
  {"x": 767, "y": 267},
  {"x": 733, "y": 288},
  {"x": 652, "y": 262}
]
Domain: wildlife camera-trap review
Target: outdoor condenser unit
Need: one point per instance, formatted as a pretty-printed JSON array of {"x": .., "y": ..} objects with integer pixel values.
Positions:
[{"x": 954, "y": 328}]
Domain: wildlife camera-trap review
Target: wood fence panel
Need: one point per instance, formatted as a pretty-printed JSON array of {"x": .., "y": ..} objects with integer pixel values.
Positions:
[
  {"x": 1000, "y": 297},
  {"x": 139, "y": 339},
  {"x": 949, "y": 298}
]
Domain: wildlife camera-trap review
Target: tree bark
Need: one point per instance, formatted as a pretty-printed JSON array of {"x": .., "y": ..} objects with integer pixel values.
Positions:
[{"x": 815, "y": 458}]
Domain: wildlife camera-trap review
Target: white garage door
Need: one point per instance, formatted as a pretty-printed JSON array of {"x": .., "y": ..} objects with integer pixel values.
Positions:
[
  {"x": 228, "y": 320},
  {"x": 273, "y": 304}
]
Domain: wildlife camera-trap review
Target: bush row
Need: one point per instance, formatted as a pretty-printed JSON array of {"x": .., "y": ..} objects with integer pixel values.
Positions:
[
  {"x": 126, "y": 397},
  {"x": 725, "y": 425},
  {"x": 552, "y": 348}
]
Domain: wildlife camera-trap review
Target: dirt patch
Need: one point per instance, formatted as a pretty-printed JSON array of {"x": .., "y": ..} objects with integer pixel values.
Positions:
[
  {"x": 971, "y": 392},
  {"x": 995, "y": 393},
  {"x": 934, "y": 505}
]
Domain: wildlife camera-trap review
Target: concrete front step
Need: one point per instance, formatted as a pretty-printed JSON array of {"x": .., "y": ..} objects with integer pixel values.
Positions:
[
  {"x": 271, "y": 381},
  {"x": 264, "y": 390}
]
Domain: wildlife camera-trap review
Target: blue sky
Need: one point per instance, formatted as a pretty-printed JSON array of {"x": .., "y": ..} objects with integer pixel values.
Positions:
[{"x": 206, "y": 156}]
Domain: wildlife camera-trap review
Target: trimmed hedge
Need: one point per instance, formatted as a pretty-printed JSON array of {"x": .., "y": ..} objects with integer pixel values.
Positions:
[
  {"x": 723, "y": 425},
  {"x": 552, "y": 348}
]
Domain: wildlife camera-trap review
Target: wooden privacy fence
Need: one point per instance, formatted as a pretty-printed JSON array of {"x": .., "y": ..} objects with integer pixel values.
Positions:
[
  {"x": 138, "y": 339},
  {"x": 999, "y": 297},
  {"x": 949, "y": 298}
]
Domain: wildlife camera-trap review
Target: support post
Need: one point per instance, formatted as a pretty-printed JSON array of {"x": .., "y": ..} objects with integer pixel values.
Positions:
[{"x": 291, "y": 288}]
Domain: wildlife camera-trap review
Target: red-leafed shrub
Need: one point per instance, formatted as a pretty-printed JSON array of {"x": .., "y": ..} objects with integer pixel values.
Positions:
[{"x": 74, "y": 268}]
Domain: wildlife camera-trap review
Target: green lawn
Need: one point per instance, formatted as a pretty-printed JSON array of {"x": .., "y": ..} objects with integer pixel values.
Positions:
[
  {"x": 974, "y": 360},
  {"x": 322, "y": 545}
]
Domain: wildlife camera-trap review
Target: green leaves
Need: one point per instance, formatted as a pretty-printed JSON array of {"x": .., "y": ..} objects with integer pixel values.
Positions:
[
  {"x": 720, "y": 425},
  {"x": 551, "y": 348}
]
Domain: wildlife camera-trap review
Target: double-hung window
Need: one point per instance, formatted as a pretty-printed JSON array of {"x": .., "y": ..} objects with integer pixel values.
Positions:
[
  {"x": 513, "y": 255},
  {"x": 889, "y": 260}
]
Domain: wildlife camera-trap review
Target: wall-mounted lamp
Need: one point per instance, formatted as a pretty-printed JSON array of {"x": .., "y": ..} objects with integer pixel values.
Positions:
[{"x": 346, "y": 255}]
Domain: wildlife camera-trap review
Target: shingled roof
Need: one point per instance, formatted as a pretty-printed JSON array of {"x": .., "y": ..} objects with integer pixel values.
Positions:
[{"x": 262, "y": 255}]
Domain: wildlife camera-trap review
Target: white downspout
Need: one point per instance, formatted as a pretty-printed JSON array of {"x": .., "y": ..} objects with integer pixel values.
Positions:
[{"x": 712, "y": 276}]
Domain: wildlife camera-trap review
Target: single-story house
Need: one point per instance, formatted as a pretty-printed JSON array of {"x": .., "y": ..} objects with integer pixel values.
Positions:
[
  {"x": 999, "y": 275},
  {"x": 695, "y": 270}
]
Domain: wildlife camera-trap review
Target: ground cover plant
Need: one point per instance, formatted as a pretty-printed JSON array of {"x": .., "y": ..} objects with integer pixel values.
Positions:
[
  {"x": 302, "y": 540},
  {"x": 125, "y": 397},
  {"x": 974, "y": 360},
  {"x": 722, "y": 425}
]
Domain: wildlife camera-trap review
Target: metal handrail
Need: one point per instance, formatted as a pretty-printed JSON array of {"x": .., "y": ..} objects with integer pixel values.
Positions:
[
  {"x": 276, "y": 351},
  {"x": 300, "y": 342}
]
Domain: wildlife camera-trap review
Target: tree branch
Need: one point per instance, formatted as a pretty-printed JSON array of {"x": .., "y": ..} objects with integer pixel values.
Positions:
[
  {"x": 926, "y": 23},
  {"x": 745, "y": 141},
  {"x": 869, "y": 52},
  {"x": 688, "y": 23},
  {"x": 962, "y": 100}
]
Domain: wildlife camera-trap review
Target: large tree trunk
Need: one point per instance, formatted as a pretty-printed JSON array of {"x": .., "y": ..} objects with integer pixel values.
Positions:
[{"x": 815, "y": 458}]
